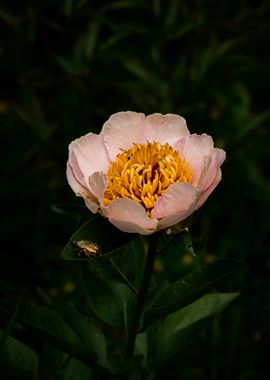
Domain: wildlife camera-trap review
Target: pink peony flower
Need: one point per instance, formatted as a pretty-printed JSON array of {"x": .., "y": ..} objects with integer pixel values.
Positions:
[{"x": 144, "y": 173}]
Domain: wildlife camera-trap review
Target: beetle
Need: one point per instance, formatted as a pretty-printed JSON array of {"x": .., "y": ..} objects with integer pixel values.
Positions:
[{"x": 86, "y": 248}]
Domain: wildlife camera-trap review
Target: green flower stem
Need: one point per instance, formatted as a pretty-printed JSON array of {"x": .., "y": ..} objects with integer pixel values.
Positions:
[{"x": 148, "y": 269}]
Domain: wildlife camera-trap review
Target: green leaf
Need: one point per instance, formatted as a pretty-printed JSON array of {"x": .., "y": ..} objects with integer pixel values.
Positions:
[
  {"x": 102, "y": 298},
  {"x": 122, "y": 265},
  {"x": 91, "y": 38},
  {"x": 48, "y": 321},
  {"x": 90, "y": 335},
  {"x": 110, "y": 301},
  {"x": 126, "y": 300},
  {"x": 186, "y": 290},
  {"x": 135, "y": 67},
  {"x": 66, "y": 65},
  {"x": 252, "y": 124},
  {"x": 99, "y": 231},
  {"x": 129, "y": 365},
  {"x": 181, "y": 327},
  {"x": 18, "y": 357},
  {"x": 75, "y": 369},
  {"x": 12, "y": 319},
  {"x": 141, "y": 346}
]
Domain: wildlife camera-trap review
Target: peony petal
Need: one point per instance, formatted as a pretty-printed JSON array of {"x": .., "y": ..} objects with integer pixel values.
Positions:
[
  {"x": 122, "y": 130},
  {"x": 208, "y": 175},
  {"x": 208, "y": 191},
  {"x": 87, "y": 155},
  {"x": 129, "y": 216},
  {"x": 98, "y": 183},
  {"x": 165, "y": 128},
  {"x": 74, "y": 182},
  {"x": 174, "y": 219},
  {"x": 91, "y": 204},
  {"x": 81, "y": 191},
  {"x": 180, "y": 197},
  {"x": 194, "y": 149}
]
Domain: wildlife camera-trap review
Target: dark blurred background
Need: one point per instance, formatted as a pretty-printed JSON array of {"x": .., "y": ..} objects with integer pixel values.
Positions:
[{"x": 67, "y": 66}]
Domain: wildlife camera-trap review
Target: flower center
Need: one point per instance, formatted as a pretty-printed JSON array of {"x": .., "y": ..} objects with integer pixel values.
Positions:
[{"x": 144, "y": 172}]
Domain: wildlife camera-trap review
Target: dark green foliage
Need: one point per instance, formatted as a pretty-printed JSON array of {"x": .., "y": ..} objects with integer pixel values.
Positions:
[
  {"x": 187, "y": 289},
  {"x": 66, "y": 67}
]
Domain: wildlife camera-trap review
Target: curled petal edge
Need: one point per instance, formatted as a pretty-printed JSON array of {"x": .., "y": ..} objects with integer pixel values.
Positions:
[{"x": 129, "y": 216}]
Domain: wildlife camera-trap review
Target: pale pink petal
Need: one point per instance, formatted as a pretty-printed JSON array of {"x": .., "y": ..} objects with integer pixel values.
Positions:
[
  {"x": 87, "y": 155},
  {"x": 208, "y": 191},
  {"x": 92, "y": 204},
  {"x": 81, "y": 191},
  {"x": 208, "y": 175},
  {"x": 122, "y": 130},
  {"x": 89, "y": 199},
  {"x": 75, "y": 170},
  {"x": 174, "y": 219},
  {"x": 194, "y": 149},
  {"x": 179, "y": 198},
  {"x": 129, "y": 216},
  {"x": 98, "y": 183},
  {"x": 74, "y": 182},
  {"x": 165, "y": 128}
]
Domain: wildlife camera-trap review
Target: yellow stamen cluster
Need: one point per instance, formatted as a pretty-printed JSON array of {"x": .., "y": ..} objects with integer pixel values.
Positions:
[{"x": 144, "y": 172}]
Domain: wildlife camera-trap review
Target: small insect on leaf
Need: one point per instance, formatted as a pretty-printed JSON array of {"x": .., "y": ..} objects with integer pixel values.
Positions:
[{"x": 86, "y": 248}]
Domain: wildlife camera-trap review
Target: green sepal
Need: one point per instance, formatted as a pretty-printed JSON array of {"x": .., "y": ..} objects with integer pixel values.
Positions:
[
  {"x": 181, "y": 239},
  {"x": 184, "y": 241}
]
